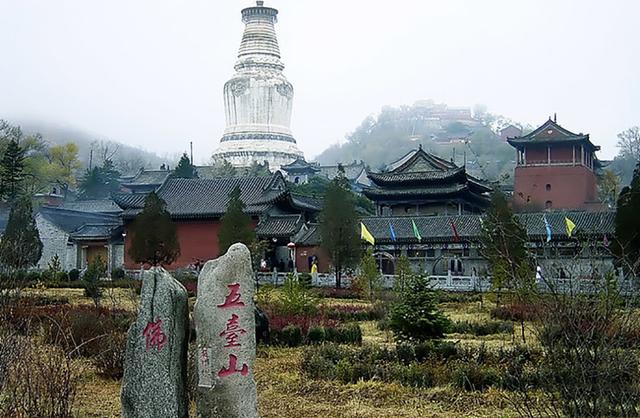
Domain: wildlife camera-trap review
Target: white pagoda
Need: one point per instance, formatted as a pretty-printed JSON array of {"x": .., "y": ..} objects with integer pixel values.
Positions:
[{"x": 258, "y": 99}]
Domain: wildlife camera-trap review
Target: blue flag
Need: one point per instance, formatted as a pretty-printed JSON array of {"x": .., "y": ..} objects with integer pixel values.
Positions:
[
  {"x": 547, "y": 227},
  {"x": 392, "y": 233}
]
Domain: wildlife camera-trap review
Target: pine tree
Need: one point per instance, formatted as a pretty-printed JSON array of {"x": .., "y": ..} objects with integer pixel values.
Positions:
[
  {"x": 225, "y": 169},
  {"x": 20, "y": 247},
  {"x": 339, "y": 226},
  {"x": 100, "y": 182},
  {"x": 503, "y": 242},
  {"x": 185, "y": 170},
  {"x": 154, "y": 234},
  {"x": 11, "y": 171},
  {"x": 235, "y": 225},
  {"x": 627, "y": 222}
]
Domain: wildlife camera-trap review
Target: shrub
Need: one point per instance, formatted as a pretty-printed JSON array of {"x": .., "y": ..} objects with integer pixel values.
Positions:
[
  {"x": 38, "y": 381},
  {"x": 332, "y": 292},
  {"x": 415, "y": 316},
  {"x": 61, "y": 276},
  {"x": 316, "y": 334},
  {"x": 117, "y": 274},
  {"x": 305, "y": 279},
  {"x": 472, "y": 376},
  {"x": 516, "y": 312},
  {"x": 74, "y": 274},
  {"x": 110, "y": 360},
  {"x": 290, "y": 336},
  {"x": 482, "y": 328},
  {"x": 91, "y": 280},
  {"x": 356, "y": 312}
]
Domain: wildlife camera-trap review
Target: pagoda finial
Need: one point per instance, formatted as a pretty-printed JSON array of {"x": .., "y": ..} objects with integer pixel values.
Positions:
[
  {"x": 555, "y": 117},
  {"x": 420, "y": 146},
  {"x": 260, "y": 3}
]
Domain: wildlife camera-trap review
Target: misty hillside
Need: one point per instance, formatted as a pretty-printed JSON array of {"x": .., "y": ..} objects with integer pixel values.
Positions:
[
  {"x": 450, "y": 133},
  {"x": 128, "y": 159}
]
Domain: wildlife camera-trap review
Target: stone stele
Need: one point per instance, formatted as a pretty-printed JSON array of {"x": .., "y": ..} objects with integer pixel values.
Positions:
[
  {"x": 226, "y": 340},
  {"x": 155, "y": 367}
]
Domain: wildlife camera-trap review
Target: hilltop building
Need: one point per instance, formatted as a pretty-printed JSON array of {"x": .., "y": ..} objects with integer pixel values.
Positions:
[
  {"x": 258, "y": 98},
  {"x": 555, "y": 169}
]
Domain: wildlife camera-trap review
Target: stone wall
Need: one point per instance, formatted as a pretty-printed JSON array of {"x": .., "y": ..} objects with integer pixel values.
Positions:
[{"x": 54, "y": 242}]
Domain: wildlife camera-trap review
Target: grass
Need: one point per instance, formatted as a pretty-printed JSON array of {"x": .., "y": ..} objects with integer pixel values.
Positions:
[{"x": 283, "y": 391}]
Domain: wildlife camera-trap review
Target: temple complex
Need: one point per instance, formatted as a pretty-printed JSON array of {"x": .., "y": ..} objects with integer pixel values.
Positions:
[
  {"x": 555, "y": 169},
  {"x": 422, "y": 184},
  {"x": 258, "y": 98}
]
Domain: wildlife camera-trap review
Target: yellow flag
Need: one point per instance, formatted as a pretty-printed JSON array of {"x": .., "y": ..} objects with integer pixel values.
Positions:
[
  {"x": 570, "y": 226},
  {"x": 366, "y": 235}
]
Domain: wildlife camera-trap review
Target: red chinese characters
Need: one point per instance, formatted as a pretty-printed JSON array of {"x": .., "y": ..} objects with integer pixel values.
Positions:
[
  {"x": 232, "y": 332},
  {"x": 232, "y": 369},
  {"x": 154, "y": 337},
  {"x": 232, "y": 300}
]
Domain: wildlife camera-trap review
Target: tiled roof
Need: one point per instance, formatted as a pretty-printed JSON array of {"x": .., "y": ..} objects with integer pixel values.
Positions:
[
  {"x": 416, "y": 177},
  {"x": 149, "y": 178},
  {"x": 71, "y": 221},
  {"x": 279, "y": 226},
  {"x": 419, "y": 158},
  {"x": 97, "y": 206},
  {"x": 300, "y": 165},
  {"x": 308, "y": 237},
  {"x": 351, "y": 171},
  {"x": 435, "y": 190},
  {"x": 551, "y": 132},
  {"x": 438, "y": 228},
  {"x": 95, "y": 231},
  {"x": 306, "y": 202},
  {"x": 202, "y": 198}
]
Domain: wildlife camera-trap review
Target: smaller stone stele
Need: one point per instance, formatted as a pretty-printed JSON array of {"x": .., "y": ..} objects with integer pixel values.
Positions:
[
  {"x": 155, "y": 367},
  {"x": 224, "y": 315}
]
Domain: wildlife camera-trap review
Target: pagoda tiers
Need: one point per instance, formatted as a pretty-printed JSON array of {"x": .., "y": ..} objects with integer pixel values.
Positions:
[
  {"x": 555, "y": 169},
  {"x": 423, "y": 184}
]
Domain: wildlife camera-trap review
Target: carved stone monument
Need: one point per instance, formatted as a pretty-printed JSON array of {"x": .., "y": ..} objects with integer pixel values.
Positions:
[
  {"x": 226, "y": 340},
  {"x": 155, "y": 369}
]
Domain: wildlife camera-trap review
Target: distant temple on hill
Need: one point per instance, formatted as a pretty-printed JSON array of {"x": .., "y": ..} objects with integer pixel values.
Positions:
[
  {"x": 422, "y": 184},
  {"x": 258, "y": 99},
  {"x": 555, "y": 169}
]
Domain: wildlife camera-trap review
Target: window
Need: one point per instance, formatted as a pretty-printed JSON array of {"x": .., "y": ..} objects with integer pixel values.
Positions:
[
  {"x": 548, "y": 187},
  {"x": 296, "y": 180},
  {"x": 548, "y": 204}
]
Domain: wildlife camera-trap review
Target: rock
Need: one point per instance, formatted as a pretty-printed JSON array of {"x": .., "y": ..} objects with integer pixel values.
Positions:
[
  {"x": 155, "y": 367},
  {"x": 226, "y": 339}
]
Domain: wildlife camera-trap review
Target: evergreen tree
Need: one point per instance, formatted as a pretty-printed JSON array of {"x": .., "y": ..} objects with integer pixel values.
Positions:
[
  {"x": 503, "y": 241},
  {"x": 11, "y": 170},
  {"x": 100, "y": 182},
  {"x": 154, "y": 240},
  {"x": 185, "y": 170},
  {"x": 235, "y": 225},
  {"x": 369, "y": 280},
  {"x": 339, "y": 226},
  {"x": 259, "y": 170},
  {"x": 627, "y": 221},
  {"x": 20, "y": 247},
  {"x": 415, "y": 317},
  {"x": 225, "y": 169}
]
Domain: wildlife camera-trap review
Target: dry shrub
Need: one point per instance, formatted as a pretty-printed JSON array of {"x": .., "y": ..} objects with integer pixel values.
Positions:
[{"x": 38, "y": 380}]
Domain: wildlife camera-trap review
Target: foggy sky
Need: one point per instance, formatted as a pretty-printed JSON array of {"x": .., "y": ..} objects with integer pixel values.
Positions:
[{"x": 150, "y": 72}]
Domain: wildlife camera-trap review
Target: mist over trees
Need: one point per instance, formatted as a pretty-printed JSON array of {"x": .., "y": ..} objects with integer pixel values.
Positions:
[{"x": 381, "y": 139}]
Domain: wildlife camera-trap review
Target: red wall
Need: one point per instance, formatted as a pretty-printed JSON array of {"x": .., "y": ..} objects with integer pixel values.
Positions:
[
  {"x": 571, "y": 187},
  {"x": 197, "y": 239}
]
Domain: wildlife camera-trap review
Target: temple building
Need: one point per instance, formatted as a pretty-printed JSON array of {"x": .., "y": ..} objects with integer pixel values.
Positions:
[
  {"x": 258, "y": 99},
  {"x": 555, "y": 169},
  {"x": 422, "y": 184}
]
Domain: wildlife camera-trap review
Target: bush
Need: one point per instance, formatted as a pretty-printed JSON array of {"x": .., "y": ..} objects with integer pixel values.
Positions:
[
  {"x": 516, "y": 312},
  {"x": 37, "y": 380},
  {"x": 110, "y": 360},
  {"x": 61, "y": 276},
  {"x": 91, "y": 280},
  {"x": 482, "y": 328},
  {"x": 74, "y": 274},
  {"x": 415, "y": 316},
  {"x": 472, "y": 377},
  {"x": 117, "y": 274},
  {"x": 290, "y": 336},
  {"x": 305, "y": 279},
  {"x": 356, "y": 312},
  {"x": 316, "y": 334}
]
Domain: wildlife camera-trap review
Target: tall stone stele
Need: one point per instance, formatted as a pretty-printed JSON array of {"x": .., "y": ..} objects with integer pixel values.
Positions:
[
  {"x": 155, "y": 368},
  {"x": 224, "y": 315},
  {"x": 258, "y": 99}
]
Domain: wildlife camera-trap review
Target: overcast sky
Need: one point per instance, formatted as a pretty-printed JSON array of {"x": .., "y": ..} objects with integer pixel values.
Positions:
[{"x": 150, "y": 72}]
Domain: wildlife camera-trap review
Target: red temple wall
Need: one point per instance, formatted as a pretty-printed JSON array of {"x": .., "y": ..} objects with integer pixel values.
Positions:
[{"x": 570, "y": 187}]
